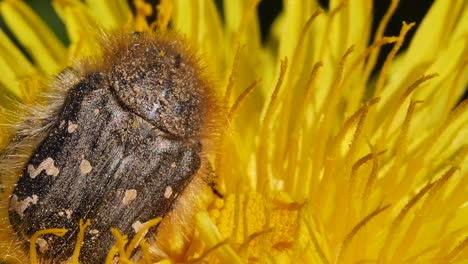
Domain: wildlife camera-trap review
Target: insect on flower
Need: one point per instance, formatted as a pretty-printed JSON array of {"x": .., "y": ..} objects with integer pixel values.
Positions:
[{"x": 125, "y": 145}]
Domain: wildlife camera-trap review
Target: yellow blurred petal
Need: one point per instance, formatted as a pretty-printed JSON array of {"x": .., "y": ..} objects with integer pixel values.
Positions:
[
  {"x": 17, "y": 62},
  {"x": 164, "y": 9},
  {"x": 355, "y": 24},
  {"x": 434, "y": 36},
  {"x": 80, "y": 25},
  {"x": 434, "y": 31},
  {"x": 296, "y": 13},
  {"x": 8, "y": 78},
  {"x": 46, "y": 50},
  {"x": 461, "y": 26},
  {"x": 184, "y": 13},
  {"x": 448, "y": 62},
  {"x": 200, "y": 22},
  {"x": 110, "y": 14},
  {"x": 143, "y": 9},
  {"x": 242, "y": 28}
]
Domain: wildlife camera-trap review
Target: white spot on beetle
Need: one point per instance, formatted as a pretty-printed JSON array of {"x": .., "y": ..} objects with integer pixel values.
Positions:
[
  {"x": 85, "y": 167},
  {"x": 93, "y": 231},
  {"x": 137, "y": 226},
  {"x": 71, "y": 127},
  {"x": 43, "y": 245},
  {"x": 68, "y": 212},
  {"x": 136, "y": 89},
  {"x": 168, "y": 192},
  {"x": 47, "y": 165},
  {"x": 129, "y": 196},
  {"x": 21, "y": 205},
  {"x": 61, "y": 213}
]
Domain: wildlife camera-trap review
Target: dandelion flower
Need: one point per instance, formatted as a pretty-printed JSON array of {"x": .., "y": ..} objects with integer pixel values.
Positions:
[{"x": 327, "y": 158}]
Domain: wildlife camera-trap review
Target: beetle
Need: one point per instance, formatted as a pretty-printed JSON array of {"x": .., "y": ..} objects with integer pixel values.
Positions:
[{"x": 130, "y": 133}]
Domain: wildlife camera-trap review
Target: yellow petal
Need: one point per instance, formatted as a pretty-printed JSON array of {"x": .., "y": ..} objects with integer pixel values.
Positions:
[
  {"x": 13, "y": 64},
  {"x": 110, "y": 14},
  {"x": 8, "y": 80},
  {"x": 80, "y": 25},
  {"x": 433, "y": 36},
  {"x": 47, "y": 51}
]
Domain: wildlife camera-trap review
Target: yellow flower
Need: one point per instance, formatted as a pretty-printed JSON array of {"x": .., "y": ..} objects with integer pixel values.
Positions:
[{"x": 322, "y": 162}]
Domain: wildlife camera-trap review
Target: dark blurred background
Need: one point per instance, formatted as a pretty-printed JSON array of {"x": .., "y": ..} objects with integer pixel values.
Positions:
[{"x": 409, "y": 11}]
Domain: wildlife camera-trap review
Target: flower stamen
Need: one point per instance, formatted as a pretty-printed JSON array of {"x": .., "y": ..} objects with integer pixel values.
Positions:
[
  {"x": 60, "y": 232},
  {"x": 349, "y": 237},
  {"x": 378, "y": 35},
  {"x": 388, "y": 61},
  {"x": 242, "y": 98},
  {"x": 79, "y": 241},
  {"x": 143, "y": 10},
  {"x": 165, "y": 9},
  {"x": 263, "y": 175}
]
